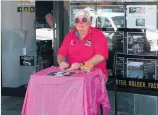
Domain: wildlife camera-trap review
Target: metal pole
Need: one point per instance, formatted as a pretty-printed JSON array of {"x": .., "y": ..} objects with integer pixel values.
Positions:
[{"x": 59, "y": 30}]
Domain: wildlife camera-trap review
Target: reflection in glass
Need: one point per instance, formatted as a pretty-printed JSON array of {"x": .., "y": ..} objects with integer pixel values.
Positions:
[
  {"x": 74, "y": 9},
  {"x": 78, "y": 1},
  {"x": 44, "y": 40},
  {"x": 140, "y": 0},
  {"x": 119, "y": 70},
  {"x": 152, "y": 37},
  {"x": 115, "y": 41},
  {"x": 110, "y": 16},
  {"x": 139, "y": 44},
  {"x": 141, "y": 68},
  {"x": 142, "y": 16},
  {"x": 119, "y": 21},
  {"x": 110, "y": 0}
]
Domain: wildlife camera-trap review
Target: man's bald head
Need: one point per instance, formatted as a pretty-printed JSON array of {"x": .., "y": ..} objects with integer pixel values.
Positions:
[{"x": 49, "y": 20}]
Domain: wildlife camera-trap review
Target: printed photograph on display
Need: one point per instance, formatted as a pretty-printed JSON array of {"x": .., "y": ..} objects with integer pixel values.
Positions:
[
  {"x": 139, "y": 44},
  {"x": 142, "y": 16},
  {"x": 152, "y": 37},
  {"x": 110, "y": 0},
  {"x": 157, "y": 72},
  {"x": 115, "y": 41},
  {"x": 60, "y": 73},
  {"x": 75, "y": 8},
  {"x": 119, "y": 70},
  {"x": 111, "y": 16},
  {"x": 77, "y": 1},
  {"x": 140, "y": 22},
  {"x": 141, "y": 68},
  {"x": 140, "y": 0}
]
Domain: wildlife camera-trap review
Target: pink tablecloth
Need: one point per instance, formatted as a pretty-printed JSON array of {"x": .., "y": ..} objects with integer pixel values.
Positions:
[{"x": 80, "y": 94}]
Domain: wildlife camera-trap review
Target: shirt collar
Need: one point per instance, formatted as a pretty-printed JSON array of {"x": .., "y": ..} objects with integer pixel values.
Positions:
[{"x": 76, "y": 33}]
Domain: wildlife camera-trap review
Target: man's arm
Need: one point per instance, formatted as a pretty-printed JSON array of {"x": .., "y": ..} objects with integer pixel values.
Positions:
[
  {"x": 63, "y": 52},
  {"x": 61, "y": 62},
  {"x": 100, "y": 48},
  {"x": 63, "y": 49},
  {"x": 60, "y": 59},
  {"x": 95, "y": 60},
  {"x": 49, "y": 20}
]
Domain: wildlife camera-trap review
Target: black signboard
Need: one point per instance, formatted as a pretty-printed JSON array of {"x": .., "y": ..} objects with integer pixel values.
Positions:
[{"x": 27, "y": 60}]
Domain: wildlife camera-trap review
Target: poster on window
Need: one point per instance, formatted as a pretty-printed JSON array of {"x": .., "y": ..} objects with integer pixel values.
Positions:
[
  {"x": 110, "y": 0},
  {"x": 115, "y": 41},
  {"x": 157, "y": 71},
  {"x": 119, "y": 70},
  {"x": 141, "y": 68},
  {"x": 152, "y": 37},
  {"x": 78, "y": 1},
  {"x": 139, "y": 44},
  {"x": 142, "y": 16},
  {"x": 110, "y": 16},
  {"x": 140, "y": 0},
  {"x": 75, "y": 8}
]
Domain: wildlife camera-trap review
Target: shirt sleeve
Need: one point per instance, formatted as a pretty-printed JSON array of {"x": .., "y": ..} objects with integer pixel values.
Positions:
[
  {"x": 100, "y": 44},
  {"x": 64, "y": 47}
]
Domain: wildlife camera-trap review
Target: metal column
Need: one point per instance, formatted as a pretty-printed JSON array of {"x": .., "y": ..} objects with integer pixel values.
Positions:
[
  {"x": 58, "y": 31},
  {"x": 61, "y": 26}
]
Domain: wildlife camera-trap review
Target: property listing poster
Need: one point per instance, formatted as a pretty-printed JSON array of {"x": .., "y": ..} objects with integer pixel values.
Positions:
[
  {"x": 110, "y": 0},
  {"x": 77, "y": 1},
  {"x": 139, "y": 0},
  {"x": 111, "y": 16},
  {"x": 157, "y": 71},
  {"x": 141, "y": 68},
  {"x": 141, "y": 16},
  {"x": 140, "y": 44}
]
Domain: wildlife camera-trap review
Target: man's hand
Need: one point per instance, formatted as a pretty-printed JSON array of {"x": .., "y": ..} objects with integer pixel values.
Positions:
[
  {"x": 76, "y": 65},
  {"x": 63, "y": 65}
]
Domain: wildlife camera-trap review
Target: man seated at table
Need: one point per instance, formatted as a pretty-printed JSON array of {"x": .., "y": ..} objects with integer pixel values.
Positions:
[{"x": 83, "y": 45}]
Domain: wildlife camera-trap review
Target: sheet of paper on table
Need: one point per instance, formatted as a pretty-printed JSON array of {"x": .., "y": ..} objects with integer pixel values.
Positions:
[{"x": 60, "y": 73}]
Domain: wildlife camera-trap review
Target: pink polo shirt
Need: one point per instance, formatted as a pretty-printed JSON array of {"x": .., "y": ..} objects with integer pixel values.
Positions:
[{"x": 76, "y": 50}]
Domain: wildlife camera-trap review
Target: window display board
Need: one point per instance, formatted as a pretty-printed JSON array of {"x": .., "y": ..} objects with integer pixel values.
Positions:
[
  {"x": 137, "y": 75},
  {"x": 140, "y": 0},
  {"x": 139, "y": 44},
  {"x": 110, "y": 0},
  {"x": 119, "y": 70},
  {"x": 110, "y": 16},
  {"x": 76, "y": 1},
  {"x": 142, "y": 16},
  {"x": 141, "y": 68},
  {"x": 115, "y": 41},
  {"x": 131, "y": 29}
]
